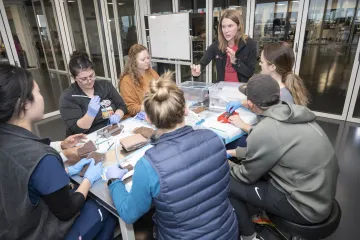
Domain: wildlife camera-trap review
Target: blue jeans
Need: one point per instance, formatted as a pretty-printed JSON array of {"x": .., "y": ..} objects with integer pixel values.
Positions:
[{"x": 90, "y": 224}]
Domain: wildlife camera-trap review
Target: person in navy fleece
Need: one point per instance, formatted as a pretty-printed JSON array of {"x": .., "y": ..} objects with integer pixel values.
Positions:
[{"x": 185, "y": 174}]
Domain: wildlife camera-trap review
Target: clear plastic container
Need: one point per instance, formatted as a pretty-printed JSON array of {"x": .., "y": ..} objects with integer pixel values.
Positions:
[
  {"x": 222, "y": 93},
  {"x": 195, "y": 91}
]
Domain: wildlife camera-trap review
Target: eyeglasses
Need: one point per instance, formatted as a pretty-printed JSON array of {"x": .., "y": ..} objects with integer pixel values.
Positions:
[{"x": 89, "y": 78}]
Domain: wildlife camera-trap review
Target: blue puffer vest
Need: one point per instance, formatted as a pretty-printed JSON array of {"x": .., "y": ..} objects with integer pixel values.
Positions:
[{"x": 194, "y": 185}]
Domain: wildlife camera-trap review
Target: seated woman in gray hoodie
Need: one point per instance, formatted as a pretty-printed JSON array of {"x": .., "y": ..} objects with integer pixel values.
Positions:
[{"x": 290, "y": 149}]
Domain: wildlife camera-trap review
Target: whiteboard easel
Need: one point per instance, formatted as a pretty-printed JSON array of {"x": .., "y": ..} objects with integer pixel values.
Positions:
[{"x": 169, "y": 38}]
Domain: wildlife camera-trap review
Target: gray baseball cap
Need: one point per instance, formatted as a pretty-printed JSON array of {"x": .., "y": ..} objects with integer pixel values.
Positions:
[{"x": 262, "y": 90}]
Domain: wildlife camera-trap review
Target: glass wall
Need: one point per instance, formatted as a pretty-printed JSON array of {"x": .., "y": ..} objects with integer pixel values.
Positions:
[
  {"x": 330, "y": 42},
  {"x": 44, "y": 36},
  {"x": 325, "y": 63},
  {"x": 197, "y": 9},
  {"x": 74, "y": 20},
  {"x": 54, "y": 34},
  {"x": 123, "y": 29},
  {"x": 4, "y": 58},
  {"x": 161, "y": 6},
  {"x": 96, "y": 37},
  {"x": 275, "y": 21}
]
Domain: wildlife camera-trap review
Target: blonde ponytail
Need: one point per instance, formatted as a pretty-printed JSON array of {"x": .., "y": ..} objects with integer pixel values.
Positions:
[
  {"x": 297, "y": 88},
  {"x": 165, "y": 104}
]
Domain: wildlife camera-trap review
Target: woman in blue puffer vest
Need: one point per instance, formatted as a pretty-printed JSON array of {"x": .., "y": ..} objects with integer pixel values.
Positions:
[{"x": 185, "y": 174}]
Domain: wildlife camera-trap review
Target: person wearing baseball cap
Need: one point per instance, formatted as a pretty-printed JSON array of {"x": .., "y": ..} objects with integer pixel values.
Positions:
[
  {"x": 276, "y": 60},
  {"x": 289, "y": 149},
  {"x": 264, "y": 81}
]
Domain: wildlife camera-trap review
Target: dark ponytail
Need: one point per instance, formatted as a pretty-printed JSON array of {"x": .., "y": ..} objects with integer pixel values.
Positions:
[
  {"x": 16, "y": 86},
  {"x": 79, "y": 61}
]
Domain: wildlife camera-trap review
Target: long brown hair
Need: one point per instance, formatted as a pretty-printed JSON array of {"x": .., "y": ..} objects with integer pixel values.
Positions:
[
  {"x": 131, "y": 67},
  {"x": 165, "y": 103},
  {"x": 235, "y": 16},
  {"x": 282, "y": 56}
]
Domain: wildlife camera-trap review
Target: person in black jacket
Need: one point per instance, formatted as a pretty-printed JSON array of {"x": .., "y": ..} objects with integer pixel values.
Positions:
[
  {"x": 234, "y": 52},
  {"x": 37, "y": 200},
  {"x": 89, "y": 104}
]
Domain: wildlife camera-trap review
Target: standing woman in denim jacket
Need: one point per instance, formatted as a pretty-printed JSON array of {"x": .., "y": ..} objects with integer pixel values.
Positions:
[{"x": 235, "y": 52}]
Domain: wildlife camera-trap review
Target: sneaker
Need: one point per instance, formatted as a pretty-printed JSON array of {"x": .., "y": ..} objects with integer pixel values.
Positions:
[{"x": 262, "y": 219}]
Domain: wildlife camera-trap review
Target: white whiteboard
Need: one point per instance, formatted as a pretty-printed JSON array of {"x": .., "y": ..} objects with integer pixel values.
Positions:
[{"x": 170, "y": 36}]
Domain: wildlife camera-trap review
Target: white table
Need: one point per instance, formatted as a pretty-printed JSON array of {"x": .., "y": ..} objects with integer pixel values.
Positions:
[{"x": 99, "y": 191}]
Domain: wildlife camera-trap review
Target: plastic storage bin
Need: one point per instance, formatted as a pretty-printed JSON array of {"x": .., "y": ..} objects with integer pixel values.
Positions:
[
  {"x": 222, "y": 93},
  {"x": 195, "y": 91}
]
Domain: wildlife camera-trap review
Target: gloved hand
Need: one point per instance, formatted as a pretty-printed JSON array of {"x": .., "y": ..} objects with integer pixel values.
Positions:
[
  {"x": 94, "y": 106},
  {"x": 75, "y": 169},
  {"x": 115, "y": 118},
  {"x": 232, "y": 106},
  {"x": 228, "y": 155},
  {"x": 93, "y": 173},
  {"x": 115, "y": 172},
  {"x": 141, "y": 115}
]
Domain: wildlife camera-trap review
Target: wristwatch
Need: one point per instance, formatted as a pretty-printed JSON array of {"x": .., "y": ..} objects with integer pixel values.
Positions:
[{"x": 111, "y": 180}]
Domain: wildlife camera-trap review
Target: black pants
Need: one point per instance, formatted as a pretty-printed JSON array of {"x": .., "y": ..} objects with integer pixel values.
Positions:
[{"x": 263, "y": 195}]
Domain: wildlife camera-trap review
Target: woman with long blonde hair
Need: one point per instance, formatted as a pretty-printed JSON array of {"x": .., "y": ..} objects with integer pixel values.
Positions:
[
  {"x": 234, "y": 52},
  {"x": 135, "y": 80}
]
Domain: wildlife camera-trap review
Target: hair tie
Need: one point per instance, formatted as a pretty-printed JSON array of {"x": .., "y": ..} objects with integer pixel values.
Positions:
[{"x": 287, "y": 73}]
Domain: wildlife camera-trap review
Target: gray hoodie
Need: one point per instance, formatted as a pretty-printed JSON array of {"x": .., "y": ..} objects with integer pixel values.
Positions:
[{"x": 293, "y": 149}]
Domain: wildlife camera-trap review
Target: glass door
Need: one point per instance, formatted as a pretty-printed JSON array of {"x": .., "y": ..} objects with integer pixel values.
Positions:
[
  {"x": 198, "y": 16},
  {"x": 326, "y": 60},
  {"x": 122, "y": 31},
  {"x": 56, "y": 42},
  {"x": 8, "y": 52},
  {"x": 48, "y": 27},
  {"x": 276, "y": 21},
  {"x": 85, "y": 22}
]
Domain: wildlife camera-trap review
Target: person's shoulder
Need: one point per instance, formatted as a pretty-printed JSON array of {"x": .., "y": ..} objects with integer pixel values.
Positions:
[
  {"x": 49, "y": 162},
  {"x": 206, "y": 134},
  {"x": 285, "y": 95},
  {"x": 71, "y": 90},
  {"x": 248, "y": 40},
  {"x": 126, "y": 81},
  {"x": 215, "y": 44},
  {"x": 154, "y": 73},
  {"x": 102, "y": 82}
]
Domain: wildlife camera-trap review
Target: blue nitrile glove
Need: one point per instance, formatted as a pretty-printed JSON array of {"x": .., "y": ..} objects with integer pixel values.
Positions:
[
  {"x": 141, "y": 115},
  {"x": 228, "y": 156},
  {"x": 115, "y": 172},
  {"x": 75, "y": 169},
  {"x": 115, "y": 118},
  {"x": 94, "y": 106},
  {"x": 93, "y": 173},
  {"x": 232, "y": 106}
]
